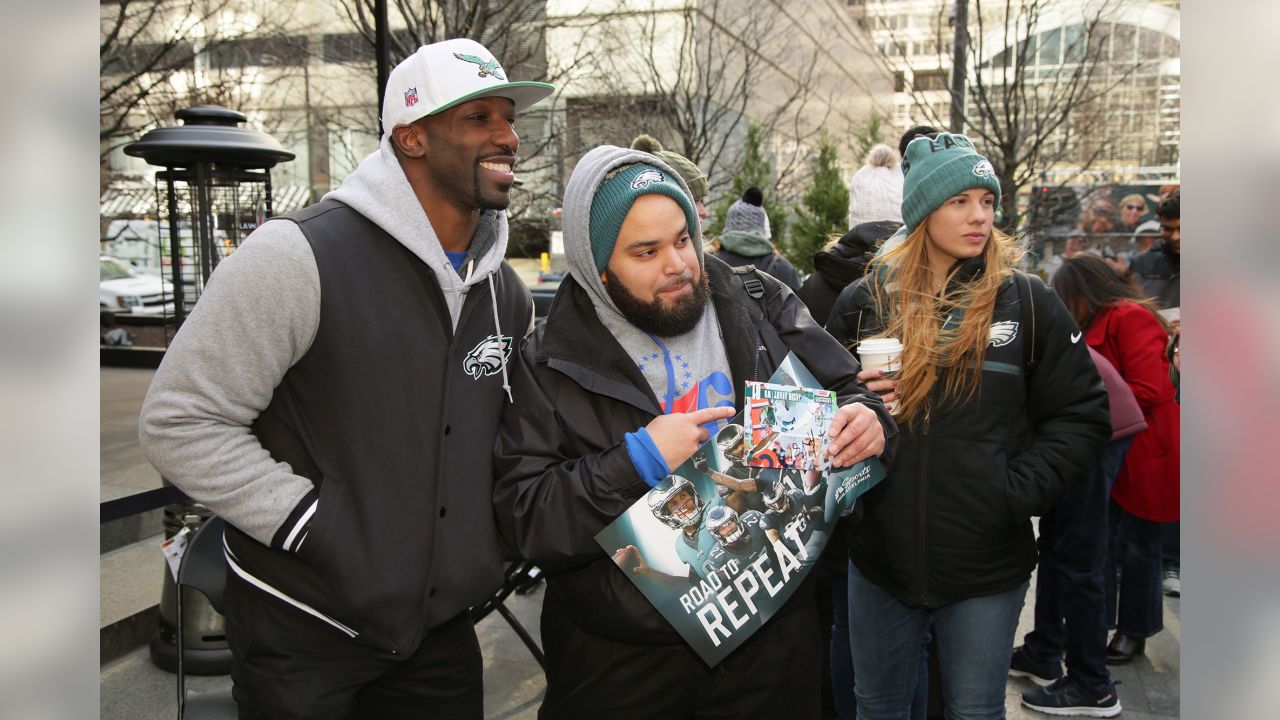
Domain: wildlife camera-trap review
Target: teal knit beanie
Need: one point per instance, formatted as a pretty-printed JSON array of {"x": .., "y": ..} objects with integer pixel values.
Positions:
[
  {"x": 615, "y": 196},
  {"x": 938, "y": 168}
]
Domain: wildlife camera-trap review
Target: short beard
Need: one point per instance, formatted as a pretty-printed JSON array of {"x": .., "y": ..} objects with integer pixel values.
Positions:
[
  {"x": 652, "y": 317},
  {"x": 488, "y": 202}
]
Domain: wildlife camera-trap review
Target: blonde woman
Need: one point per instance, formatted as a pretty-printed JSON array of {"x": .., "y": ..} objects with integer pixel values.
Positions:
[{"x": 1001, "y": 411}]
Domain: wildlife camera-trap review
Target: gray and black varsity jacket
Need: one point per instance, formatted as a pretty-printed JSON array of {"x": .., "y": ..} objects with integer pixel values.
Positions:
[{"x": 335, "y": 395}]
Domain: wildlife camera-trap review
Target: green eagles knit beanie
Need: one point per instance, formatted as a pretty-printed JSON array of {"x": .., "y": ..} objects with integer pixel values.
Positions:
[
  {"x": 615, "y": 196},
  {"x": 936, "y": 169},
  {"x": 684, "y": 167}
]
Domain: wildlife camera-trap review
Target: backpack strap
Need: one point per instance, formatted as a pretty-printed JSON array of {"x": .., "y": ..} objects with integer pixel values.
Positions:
[
  {"x": 753, "y": 285},
  {"x": 1027, "y": 307}
]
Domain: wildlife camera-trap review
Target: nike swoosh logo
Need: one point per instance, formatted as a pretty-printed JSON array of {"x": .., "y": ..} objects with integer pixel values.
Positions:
[{"x": 1075, "y": 337}]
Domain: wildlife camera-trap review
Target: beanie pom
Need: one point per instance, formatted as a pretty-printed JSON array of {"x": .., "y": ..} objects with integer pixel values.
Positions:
[
  {"x": 753, "y": 196},
  {"x": 881, "y": 156},
  {"x": 646, "y": 143}
]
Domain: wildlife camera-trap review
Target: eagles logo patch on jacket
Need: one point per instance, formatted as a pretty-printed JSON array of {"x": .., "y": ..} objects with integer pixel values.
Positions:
[
  {"x": 487, "y": 357},
  {"x": 1003, "y": 332}
]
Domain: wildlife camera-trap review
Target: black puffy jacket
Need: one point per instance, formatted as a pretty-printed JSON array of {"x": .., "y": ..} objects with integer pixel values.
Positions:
[
  {"x": 952, "y": 520},
  {"x": 834, "y": 269},
  {"x": 563, "y": 472}
]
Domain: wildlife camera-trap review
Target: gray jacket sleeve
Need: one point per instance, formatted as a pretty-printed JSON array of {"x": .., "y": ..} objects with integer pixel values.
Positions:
[{"x": 255, "y": 319}]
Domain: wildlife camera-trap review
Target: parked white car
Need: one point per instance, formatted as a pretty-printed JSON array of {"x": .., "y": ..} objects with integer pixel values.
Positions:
[{"x": 122, "y": 290}]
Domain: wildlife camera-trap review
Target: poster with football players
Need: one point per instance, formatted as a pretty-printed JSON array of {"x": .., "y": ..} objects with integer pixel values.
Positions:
[{"x": 720, "y": 544}]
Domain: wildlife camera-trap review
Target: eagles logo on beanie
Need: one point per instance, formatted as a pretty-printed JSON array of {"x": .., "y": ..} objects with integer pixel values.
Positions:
[
  {"x": 692, "y": 176},
  {"x": 937, "y": 168},
  {"x": 616, "y": 195}
]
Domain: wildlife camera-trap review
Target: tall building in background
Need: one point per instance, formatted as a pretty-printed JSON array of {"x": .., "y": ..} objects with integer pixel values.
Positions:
[
  {"x": 1133, "y": 130},
  {"x": 302, "y": 70}
]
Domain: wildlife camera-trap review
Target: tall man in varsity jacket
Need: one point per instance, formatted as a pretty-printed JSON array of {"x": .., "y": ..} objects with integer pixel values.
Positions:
[
  {"x": 644, "y": 353},
  {"x": 335, "y": 396}
]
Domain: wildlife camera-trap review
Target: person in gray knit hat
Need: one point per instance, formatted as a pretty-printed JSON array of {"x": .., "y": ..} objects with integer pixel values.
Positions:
[
  {"x": 746, "y": 239},
  {"x": 641, "y": 358}
]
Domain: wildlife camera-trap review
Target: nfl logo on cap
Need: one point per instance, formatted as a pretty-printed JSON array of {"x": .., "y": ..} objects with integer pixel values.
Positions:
[{"x": 411, "y": 97}]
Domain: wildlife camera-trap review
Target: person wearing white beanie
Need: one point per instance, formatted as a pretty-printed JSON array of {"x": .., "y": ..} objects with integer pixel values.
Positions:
[{"x": 875, "y": 192}]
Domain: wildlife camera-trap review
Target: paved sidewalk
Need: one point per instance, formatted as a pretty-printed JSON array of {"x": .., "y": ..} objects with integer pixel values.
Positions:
[{"x": 133, "y": 689}]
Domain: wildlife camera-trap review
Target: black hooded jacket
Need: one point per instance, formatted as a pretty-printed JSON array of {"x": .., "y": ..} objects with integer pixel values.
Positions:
[
  {"x": 952, "y": 520},
  {"x": 563, "y": 472},
  {"x": 845, "y": 262}
]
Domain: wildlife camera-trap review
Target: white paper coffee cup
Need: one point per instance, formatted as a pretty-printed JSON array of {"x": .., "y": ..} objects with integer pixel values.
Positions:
[{"x": 881, "y": 354}]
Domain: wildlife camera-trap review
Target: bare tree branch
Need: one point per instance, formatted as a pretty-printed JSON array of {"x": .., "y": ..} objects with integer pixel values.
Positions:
[{"x": 1031, "y": 112}]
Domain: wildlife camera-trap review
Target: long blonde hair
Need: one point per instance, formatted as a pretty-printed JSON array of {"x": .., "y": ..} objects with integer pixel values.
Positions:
[{"x": 902, "y": 284}]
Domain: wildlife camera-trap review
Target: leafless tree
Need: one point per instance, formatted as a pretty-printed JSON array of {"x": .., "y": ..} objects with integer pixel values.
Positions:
[
  {"x": 695, "y": 76},
  {"x": 1028, "y": 112},
  {"x": 159, "y": 57},
  {"x": 515, "y": 31},
  {"x": 143, "y": 44}
]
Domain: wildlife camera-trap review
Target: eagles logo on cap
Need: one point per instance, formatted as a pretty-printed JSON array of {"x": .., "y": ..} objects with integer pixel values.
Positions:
[{"x": 487, "y": 67}]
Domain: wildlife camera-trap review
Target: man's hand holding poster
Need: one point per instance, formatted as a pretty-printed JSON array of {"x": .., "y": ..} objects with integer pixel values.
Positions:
[{"x": 720, "y": 544}]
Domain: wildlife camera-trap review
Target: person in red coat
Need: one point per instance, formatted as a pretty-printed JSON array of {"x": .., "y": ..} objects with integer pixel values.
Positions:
[{"x": 1123, "y": 326}]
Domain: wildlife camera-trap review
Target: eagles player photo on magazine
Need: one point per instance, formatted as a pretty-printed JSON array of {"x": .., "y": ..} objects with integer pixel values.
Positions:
[{"x": 720, "y": 544}]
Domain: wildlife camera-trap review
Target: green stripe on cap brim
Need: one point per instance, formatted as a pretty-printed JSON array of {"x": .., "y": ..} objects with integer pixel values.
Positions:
[{"x": 523, "y": 94}]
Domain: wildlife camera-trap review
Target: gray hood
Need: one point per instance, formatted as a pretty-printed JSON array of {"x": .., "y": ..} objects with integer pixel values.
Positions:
[
  {"x": 578, "y": 196},
  {"x": 379, "y": 190}
]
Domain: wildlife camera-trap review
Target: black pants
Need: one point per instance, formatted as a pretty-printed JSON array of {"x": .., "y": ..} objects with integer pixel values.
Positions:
[
  {"x": 775, "y": 674},
  {"x": 287, "y": 664}
]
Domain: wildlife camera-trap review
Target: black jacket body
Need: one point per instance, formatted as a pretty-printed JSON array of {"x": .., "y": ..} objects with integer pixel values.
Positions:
[
  {"x": 773, "y": 263},
  {"x": 393, "y": 422},
  {"x": 836, "y": 268},
  {"x": 563, "y": 468},
  {"x": 1159, "y": 271}
]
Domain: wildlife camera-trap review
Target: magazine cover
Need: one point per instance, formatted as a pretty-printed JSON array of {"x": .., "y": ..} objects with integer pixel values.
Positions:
[
  {"x": 788, "y": 425},
  {"x": 719, "y": 545}
]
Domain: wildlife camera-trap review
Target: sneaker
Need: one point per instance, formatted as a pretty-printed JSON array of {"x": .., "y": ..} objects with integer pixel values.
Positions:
[
  {"x": 1172, "y": 583},
  {"x": 1024, "y": 666},
  {"x": 1068, "y": 697}
]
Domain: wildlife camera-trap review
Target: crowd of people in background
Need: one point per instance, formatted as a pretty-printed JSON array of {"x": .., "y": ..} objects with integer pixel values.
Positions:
[{"x": 377, "y": 455}]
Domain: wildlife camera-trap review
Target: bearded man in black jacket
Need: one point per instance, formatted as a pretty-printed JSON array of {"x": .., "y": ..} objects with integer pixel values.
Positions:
[{"x": 643, "y": 355}]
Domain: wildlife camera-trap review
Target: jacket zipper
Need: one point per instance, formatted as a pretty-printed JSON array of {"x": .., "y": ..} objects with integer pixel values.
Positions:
[
  {"x": 923, "y": 519},
  {"x": 755, "y": 369}
]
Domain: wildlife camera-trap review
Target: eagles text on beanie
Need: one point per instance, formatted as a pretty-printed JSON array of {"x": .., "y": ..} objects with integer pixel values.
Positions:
[{"x": 935, "y": 169}]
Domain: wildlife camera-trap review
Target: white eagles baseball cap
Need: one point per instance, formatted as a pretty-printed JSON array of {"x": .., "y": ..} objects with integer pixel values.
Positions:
[{"x": 441, "y": 75}]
